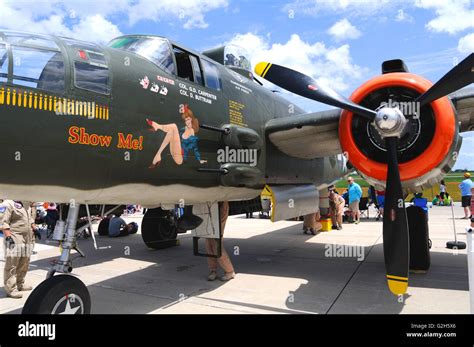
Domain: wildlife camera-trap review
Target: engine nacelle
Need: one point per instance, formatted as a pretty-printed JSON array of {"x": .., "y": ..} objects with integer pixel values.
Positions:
[{"x": 428, "y": 147}]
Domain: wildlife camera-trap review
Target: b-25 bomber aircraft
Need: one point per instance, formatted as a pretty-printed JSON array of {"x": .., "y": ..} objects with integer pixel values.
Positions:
[{"x": 145, "y": 120}]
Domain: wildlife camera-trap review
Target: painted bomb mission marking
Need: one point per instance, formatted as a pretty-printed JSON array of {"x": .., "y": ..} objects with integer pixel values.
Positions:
[{"x": 61, "y": 106}]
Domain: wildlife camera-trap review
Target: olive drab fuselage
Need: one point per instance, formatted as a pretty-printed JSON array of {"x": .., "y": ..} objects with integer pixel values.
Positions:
[{"x": 96, "y": 145}]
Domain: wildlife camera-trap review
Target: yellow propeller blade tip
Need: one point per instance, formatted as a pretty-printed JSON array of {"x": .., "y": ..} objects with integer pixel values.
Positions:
[
  {"x": 398, "y": 286},
  {"x": 262, "y": 68}
]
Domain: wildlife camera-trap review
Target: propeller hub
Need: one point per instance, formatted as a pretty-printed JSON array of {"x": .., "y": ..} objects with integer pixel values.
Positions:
[{"x": 390, "y": 122}]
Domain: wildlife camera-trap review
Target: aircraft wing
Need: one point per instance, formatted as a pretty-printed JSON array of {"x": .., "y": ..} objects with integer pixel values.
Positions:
[
  {"x": 306, "y": 136},
  {"x": 463, "y": 101},
  {"x": 315, "y": 135}
]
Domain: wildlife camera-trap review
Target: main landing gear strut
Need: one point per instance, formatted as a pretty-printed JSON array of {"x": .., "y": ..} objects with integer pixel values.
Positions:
[{"x": 66, "y": 294}]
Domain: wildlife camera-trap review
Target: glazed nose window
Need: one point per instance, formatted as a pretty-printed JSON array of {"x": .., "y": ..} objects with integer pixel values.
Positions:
[
  {"x": 33, "y": 40},
  {"x": 37, "y": 68},
  {"x": 3, "y": 63}
]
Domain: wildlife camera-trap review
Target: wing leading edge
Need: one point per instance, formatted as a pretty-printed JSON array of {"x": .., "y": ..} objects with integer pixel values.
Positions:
[{"x": 306, "y": 136}]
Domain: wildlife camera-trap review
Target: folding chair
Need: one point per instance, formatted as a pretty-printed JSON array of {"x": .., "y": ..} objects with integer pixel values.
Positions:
[{"x": 364, "y": 207}]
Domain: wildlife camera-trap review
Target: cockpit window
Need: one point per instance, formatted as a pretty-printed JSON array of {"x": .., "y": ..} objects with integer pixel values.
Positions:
[
  {"x": 91, "y": 71},
  {"x": 235, "y": 56},
  {"x": 91, "y": 77},
  {"x": 3, "y": 63},
  {"x": 155, "y": 49},
  {"x": 38, "y": 68},
  {"x": 211, "y": 74},
  {"x": 86, "y": 50}
]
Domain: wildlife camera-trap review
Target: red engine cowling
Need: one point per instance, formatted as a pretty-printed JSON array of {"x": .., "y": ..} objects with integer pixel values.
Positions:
[{"x": 427, "y": 149}]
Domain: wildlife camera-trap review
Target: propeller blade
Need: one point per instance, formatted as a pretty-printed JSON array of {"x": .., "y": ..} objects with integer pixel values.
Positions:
[
  {"x": 459, "y": 76},
  {"x": 395, "y": 225},
  {"x": 307, "y": 87}
]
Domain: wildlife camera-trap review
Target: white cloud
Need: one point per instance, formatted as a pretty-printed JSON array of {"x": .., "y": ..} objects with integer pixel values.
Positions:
[
  {"x": 453, "y": 16},
  {"x": 52, "y": 20},
  {"x": 332, "y": 66},
  {"x": 84, "y": 8},
  {"x": 466, "y": 44},
  {"x": 344, "y": 30},
  {"x": 190, "y": 12},
  {"x": 90, "y": 20},
  {"x": 450, "y": 16},
  {"x": 95, "y": 27},
  {"x": 355, "y": 7}
]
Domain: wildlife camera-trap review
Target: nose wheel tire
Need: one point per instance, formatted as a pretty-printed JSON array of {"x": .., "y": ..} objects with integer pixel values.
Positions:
[{"x": 62, "y": 294}]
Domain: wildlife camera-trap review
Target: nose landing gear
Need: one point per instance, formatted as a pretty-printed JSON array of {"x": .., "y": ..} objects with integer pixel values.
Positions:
[{"x": 63, "y": 294}]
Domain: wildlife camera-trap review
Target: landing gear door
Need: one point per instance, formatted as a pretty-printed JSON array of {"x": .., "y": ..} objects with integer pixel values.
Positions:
[{"x": 209, "y": 229}]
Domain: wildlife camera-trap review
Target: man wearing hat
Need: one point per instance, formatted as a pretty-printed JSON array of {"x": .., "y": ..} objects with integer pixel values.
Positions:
[{"x": 465, "y": 187}]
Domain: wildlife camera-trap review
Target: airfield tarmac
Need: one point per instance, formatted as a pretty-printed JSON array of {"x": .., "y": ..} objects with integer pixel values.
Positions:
[{"x": 279, "y": 270}]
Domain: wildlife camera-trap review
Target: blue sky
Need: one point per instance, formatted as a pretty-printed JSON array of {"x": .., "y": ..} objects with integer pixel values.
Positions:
[{"x": 339, "y": 42}]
